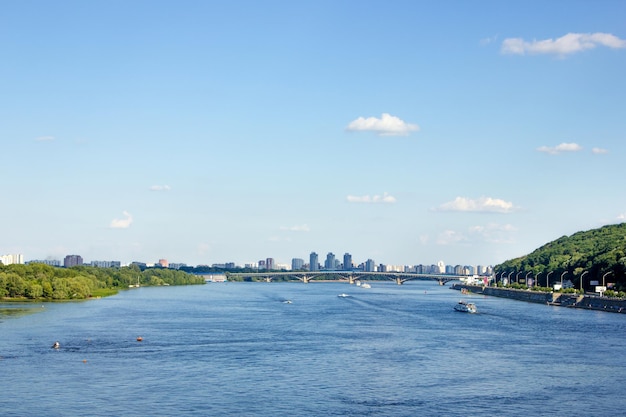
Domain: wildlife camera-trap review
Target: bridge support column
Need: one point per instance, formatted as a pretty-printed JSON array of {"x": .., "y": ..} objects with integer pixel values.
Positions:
[
  {"x": 305, "y": 279},
  {"x": 441, "y": 282},
  {"x": 351, "y": 279},
  {"x": 398, "y": 281},
  {"x": 268, "y": 279}
]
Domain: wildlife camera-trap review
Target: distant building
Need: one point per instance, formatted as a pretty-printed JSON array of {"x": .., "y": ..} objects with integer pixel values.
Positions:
[
  {"x": 269, "y": 264},
  {"x": 106, "y": 264},
  {"x": 296, "y": 264},
  {"x": 330, "y": 261},
  {"x": 177, "y": 265},
  {"x": 163, "y": 263},
  {"x": 313, "y": 262},
  {"x": 17, "y": 258},
  {"x": 51, "y": 262},
  {"x": 72, "y": 260},
  {"x": 347, "y": 262},
  {"x": 370, "y": 266}
]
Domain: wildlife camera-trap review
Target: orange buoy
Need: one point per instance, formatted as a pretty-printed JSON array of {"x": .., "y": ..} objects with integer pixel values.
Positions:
[{"x": 139, "y": 339}]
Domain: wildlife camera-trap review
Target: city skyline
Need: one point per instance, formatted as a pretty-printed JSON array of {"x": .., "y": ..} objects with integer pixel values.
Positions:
[{"x": 209, "y": 132}]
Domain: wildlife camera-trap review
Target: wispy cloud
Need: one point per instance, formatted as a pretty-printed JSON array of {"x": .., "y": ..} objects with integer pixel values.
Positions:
[
  {"x": 387, "y": 125},
  {"x": 565, "y": 45},
  {"x": 599, "y": 151},
  {"x": 482, "y": 204},
  {"x": 563, "y": 147},
  {"x": 45, "y": 138},
  {"x": 490, "y": 233},
  {"x": 621, "y": 216},
  {"x": 297, "y": 228},
  {"x": 489, "y": 40},
  {"x": 122, "y": 223},
  {"x": 160, "y": 188},
  {"x": 385, "y": 198}
]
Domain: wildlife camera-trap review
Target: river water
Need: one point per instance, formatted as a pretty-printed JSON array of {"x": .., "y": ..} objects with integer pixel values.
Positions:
[{"x": 237, "y": 349}]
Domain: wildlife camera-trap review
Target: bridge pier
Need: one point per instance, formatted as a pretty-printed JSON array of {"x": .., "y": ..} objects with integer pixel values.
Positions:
[
  {"x": 305, "y": 279},
  {"x": 268, "y": 279},
  {"x": 351, "y": 279},
  {"x": 399, "y": 281}
]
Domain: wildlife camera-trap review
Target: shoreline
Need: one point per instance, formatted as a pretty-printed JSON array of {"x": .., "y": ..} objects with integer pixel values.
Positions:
[{"x": 585, "y": 302}]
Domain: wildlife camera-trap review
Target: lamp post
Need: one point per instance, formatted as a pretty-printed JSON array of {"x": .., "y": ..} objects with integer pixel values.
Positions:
[
  {"x": 548, "y": 279},
  {"x": 508, "y": 278},
  {"x": 604, "y": 276},
  {"x": 562, "y": 275},
  {"x": 581, "y": 280},
  {"x": 526, "y": 277},
  {"x": 517, "y": 277}
]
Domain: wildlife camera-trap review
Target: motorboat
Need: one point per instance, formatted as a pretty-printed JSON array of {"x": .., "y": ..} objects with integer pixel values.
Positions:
[
  {"x": 343, "y": 295},
  {"x": 366, "y": 285},
  {"x": 56, "y": 345},
  {"x": 465, "y": 307}
]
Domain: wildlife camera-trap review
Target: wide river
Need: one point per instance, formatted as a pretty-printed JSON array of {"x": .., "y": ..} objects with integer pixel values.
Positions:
[{"x": 237, "y": 349}]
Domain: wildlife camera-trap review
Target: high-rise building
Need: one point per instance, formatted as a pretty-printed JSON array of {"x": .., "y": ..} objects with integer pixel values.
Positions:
[
  {"x": 16, "y": 258},
  {"x": 72, "y": 260},
  {"x": 313, "y": 262},
  {"x": 269, "y": 264},
  {"x": 330, "y": 261},
  {"x": 370, "y": 266},
  {"x": 163, "y": 263},
  {"x": 347, "y": 262},
  {"x": 296, "y": 264}
]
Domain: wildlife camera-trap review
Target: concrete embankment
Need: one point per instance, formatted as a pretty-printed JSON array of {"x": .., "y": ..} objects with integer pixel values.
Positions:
[{"x": 589, "y": 302}]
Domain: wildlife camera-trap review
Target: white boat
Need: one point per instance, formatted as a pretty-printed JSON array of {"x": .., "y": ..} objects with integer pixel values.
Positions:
[
  {"x": 465, "y": 307},
  {"x": 343, "y": 295},
  {"x": 366, "y": 285}
]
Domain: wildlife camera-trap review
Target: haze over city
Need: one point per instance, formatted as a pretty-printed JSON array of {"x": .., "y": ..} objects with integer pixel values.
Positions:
[{"x": 403, "y": 132}]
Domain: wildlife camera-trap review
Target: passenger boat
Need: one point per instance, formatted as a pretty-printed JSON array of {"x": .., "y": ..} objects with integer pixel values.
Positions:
[{"x": 465, "y": 307}]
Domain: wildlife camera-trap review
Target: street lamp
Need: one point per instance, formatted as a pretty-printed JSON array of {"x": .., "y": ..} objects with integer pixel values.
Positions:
[
  {"x": 604, "y": 276},
  {"x": 548, "y": 279},
  {"x": 581, "y": 280},
  {"x": 526, "y": 277},
  {"x": 562, "y": 275},
  {"x": 508, "y": 278},
  {"x": 517, "y": 277}
]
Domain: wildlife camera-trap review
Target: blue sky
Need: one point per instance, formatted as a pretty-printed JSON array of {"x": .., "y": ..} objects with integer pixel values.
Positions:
[{"x": 407, "y": 132}]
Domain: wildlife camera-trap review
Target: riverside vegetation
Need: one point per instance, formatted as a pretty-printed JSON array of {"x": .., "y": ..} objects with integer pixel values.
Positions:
[
  {"x": 597, "y": 255},
  {"x": 44, "y": 282}
]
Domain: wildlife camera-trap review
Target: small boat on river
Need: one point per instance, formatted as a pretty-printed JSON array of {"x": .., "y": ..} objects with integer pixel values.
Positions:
[
  {"x": 343, "y": 295},
  {"x": 465, "y": 307}
]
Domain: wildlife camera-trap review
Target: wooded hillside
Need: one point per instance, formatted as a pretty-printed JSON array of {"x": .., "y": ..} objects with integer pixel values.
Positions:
[{"x": 595, "y": 253}]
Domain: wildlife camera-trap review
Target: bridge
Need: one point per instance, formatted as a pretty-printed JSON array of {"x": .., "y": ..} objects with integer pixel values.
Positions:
[{"x": 349, "y": 276}]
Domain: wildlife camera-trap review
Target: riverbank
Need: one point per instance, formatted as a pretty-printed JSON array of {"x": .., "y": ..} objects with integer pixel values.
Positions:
[{"x": 587, "y": 302}]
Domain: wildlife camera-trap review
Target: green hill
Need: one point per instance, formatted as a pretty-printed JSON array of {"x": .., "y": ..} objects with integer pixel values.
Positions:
[{"x": 598, "y": 253}]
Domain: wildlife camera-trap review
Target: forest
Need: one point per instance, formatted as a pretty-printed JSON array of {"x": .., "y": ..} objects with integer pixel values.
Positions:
[
  {"x": 44, "y": 282},
  {"x": 584, "y": 258}
]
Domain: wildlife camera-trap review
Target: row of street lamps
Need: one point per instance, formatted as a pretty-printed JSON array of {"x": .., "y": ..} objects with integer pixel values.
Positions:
[{"x": 548, "y": 277}]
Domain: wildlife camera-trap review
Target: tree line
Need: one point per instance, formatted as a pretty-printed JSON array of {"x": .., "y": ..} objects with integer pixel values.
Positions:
[{"x": 40, "y": 281}]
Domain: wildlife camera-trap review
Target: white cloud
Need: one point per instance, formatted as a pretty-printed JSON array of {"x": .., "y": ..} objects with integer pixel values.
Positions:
[
  {"x": 599, "y": 151},
  {"x": 482, "y": 204},
  {"x": 160, "y": 188},
  {"x": 297, "y": 228},
  {"x": 45, "y": 138},
  {"x": 385, "y": 198},
  {"x": 122, "y": 223},
  {"x": 621, "y": 216},
  {"x": 387, "y": 125},
  {"x": 563, "y": 147},
  {"x": 565, "y": 45},
  {"x": 490, "y": 233},
  {"x": 449, "y": 237},
  {"x": 487, "y": 41}
]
